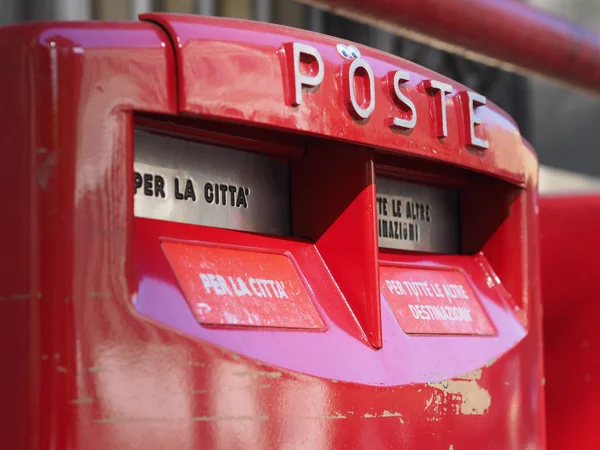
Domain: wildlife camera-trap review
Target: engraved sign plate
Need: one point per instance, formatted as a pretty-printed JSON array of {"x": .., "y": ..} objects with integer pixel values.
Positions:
[
  {"x": 427, "y": 301},
  {"x": 417, "y": 217},
  {"x": 235, "y": 287},
  {"x": 196, "y": 183}
]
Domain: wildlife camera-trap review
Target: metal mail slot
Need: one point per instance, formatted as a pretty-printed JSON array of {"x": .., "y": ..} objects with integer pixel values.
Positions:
[
  {"x": 417, "y": 217},
  {"x": 195, "y": 183}
]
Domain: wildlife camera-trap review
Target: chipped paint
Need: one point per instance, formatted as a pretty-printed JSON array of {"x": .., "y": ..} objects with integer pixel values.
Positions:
[
  {"x": 461, "y": 395},
  {"x": 254, "y": 374},
  {"x": 62, "y": 369},
  {"x": 99, "y": 294},
  {"x": 110, "y": 420},
  {"x": 96, "y": 369},
  {"x": 216, "y": 418},
  {"x": 196, "y": 363},
  {"x": 385, "y": 413},
  {"x": 336, "y": 415}
]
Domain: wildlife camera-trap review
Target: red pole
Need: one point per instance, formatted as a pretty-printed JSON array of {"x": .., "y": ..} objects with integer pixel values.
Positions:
[{"x": 505, "y": 33}]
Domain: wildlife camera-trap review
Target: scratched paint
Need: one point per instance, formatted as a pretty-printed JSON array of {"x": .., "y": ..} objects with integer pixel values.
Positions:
[{"x": 461, "y": 395}]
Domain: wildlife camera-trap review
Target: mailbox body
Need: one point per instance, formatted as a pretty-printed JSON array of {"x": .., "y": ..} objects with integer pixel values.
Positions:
[{"x": 104, "y": 350}]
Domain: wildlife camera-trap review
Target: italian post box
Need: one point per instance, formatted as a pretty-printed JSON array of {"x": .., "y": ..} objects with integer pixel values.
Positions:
[
  {"x": 228, "y": 234},
  {"x": 569, "y": 225}
]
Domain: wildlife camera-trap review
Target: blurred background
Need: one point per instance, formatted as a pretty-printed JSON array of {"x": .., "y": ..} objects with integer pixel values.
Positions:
[{"x": 559, "y": 121}]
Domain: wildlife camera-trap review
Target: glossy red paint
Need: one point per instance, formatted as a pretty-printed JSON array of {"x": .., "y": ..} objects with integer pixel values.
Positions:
[
  {"x": 570, "y": 245},
  {"x": 511, "y": 34},
  {"x": 104, "y": 350}
]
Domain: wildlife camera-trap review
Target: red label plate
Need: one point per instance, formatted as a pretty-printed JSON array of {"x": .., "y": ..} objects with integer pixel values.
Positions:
[
  {"x": 433, "y": 301},
  {"x": 226, "y": 286}
]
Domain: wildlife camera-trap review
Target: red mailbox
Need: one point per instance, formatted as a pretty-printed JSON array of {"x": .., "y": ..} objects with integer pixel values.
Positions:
[{"x": 227, "y": 234}]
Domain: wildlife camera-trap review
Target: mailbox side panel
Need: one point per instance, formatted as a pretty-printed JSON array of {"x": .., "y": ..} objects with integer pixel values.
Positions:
[{"x": 68, "y": 92}]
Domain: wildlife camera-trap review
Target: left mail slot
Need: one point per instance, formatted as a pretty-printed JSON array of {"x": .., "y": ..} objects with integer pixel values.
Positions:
[{"x": 201, "y": 184}]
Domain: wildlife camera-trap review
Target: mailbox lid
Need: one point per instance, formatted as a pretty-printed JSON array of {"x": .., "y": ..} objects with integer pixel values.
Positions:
[{"x": 235, "y": 70}]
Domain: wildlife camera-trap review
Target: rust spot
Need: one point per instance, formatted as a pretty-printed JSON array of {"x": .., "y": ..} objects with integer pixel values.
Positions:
[{"x": 96, "y": 369}]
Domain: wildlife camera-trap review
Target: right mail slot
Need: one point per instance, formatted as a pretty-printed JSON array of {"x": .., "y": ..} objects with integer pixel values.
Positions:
[{"x": 417, "y": 217}]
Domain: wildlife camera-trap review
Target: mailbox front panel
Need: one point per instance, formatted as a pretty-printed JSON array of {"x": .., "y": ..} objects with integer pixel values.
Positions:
[{"x": 138, "y": 311}]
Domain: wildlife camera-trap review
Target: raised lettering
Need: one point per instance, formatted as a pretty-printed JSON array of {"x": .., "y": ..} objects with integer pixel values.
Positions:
[
  {"x": 148, "y": 184},
  {"x": 296, "y": 56},
  {"x": 209, "y": 193},
  {"x": 363, "y": 105},
  {"x": 395, "y": 79},
  {"x": 138, "y": 181},
  {"x": 470, "y": 101},
  {"x": 414, "y": 311},
  {"x": 189, "y": 191},
  {"x": 178, "y": 194},
  {"x": 159, "y": 185},
  {"x": 438, "y": 91}
]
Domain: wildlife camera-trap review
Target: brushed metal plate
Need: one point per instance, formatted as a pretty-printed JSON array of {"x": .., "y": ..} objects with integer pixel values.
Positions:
[
  {"x": 416, "y": 217},
  {"x": 189, "y": 182}
]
